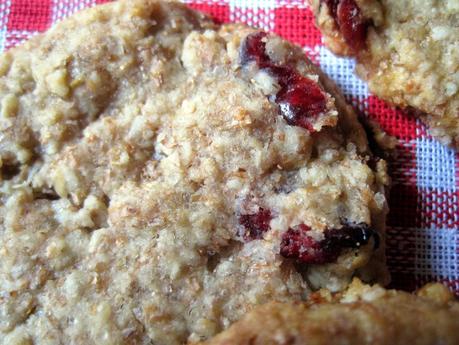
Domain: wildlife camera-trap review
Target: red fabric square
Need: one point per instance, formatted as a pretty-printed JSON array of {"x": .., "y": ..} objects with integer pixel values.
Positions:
[
  {"x": 403, "y": 281},
  {"x": 401, "y": 254},
  {"x": 438, "y": 209},
  {"x": 396, "y": 122},
  {"x": 29, "y": 15},
  {"x": 297, "y": 25},
  {"x": 220, "y": 13},
  {"x": 403, "y": 205},
  {"x": 403, "y": 167}
]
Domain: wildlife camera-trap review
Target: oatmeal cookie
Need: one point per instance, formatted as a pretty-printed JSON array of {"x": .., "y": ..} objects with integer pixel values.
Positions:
[
  {"x": 362, "y": 315},
  {"x": 407, "y": 50},
  {"x": 162, "y": 175}
]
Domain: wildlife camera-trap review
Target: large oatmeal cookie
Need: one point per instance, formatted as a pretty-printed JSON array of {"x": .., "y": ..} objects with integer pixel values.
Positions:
[
  {"x": 363, "y": 315},
  {"x": 408, "y": 51},
  {"x": 161, "y": 175}
]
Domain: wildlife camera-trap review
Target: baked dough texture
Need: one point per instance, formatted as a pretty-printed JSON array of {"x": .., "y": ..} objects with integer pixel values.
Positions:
[
  {"x": 410, "y": 53},
  {"x": 363, "y": 315},
  {"x": 152, "y": 192}
]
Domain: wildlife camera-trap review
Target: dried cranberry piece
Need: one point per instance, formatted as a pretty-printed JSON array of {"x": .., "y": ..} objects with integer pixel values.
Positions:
[
  {"x": 300, "y": 99},
  {"x": 255, "y": 225},
  {"x": 351, "y": 235},
  {"x": 352, "y": 24},
  {"x": 332, "y": 7},
  {"x": 349, "y": 19},
  {"x": 298, "y": 245},
  {"x": 253, "y": 49}
]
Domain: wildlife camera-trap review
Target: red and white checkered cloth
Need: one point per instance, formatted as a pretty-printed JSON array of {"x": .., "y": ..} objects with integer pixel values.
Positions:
[{"x": 423, "y": 225}]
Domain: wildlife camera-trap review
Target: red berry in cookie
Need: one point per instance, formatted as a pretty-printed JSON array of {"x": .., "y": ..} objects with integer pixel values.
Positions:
[
  {"x": 255, "y": 225},
  {"x": 300, "y": 99},
  {"x": 253, "y": 49},
  {"x": 332, "y": 6},
  {"x": 298, "y": 244},
  {"x": 349, "y": 19},
  {"x": 352, "y": 24}
]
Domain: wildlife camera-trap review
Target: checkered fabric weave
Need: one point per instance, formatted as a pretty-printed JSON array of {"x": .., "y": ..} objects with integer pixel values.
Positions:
[{"x": 423, "y": 225}]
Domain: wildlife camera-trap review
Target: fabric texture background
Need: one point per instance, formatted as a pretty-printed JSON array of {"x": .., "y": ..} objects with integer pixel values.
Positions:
[{"x": 423, "y": 225}]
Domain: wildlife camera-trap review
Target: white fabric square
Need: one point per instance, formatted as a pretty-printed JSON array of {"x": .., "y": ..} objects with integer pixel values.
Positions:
[
  {"x": 209, "y": 2},
  {"x": 4, "y": 13},
  {"x": 435, "y": 165},
  {"x": 341, "y": 70},
  {"x": 292, "y": 3},
  {"x": 262, "y": 18},
  {"x": 253, "y": 4},
  {"x": 2, "y": 39},
  {"x": 436, "y": 253}
]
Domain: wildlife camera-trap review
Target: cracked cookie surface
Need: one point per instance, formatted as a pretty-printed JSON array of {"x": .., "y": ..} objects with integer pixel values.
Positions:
[{"x": 149, "y": 175}]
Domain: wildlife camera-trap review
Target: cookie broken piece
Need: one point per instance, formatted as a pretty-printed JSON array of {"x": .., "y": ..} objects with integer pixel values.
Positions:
[
  {"x": 406, "y": 50},
  {"x": 362, "y": 315},
  {"x": 149, "y": 174}
]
